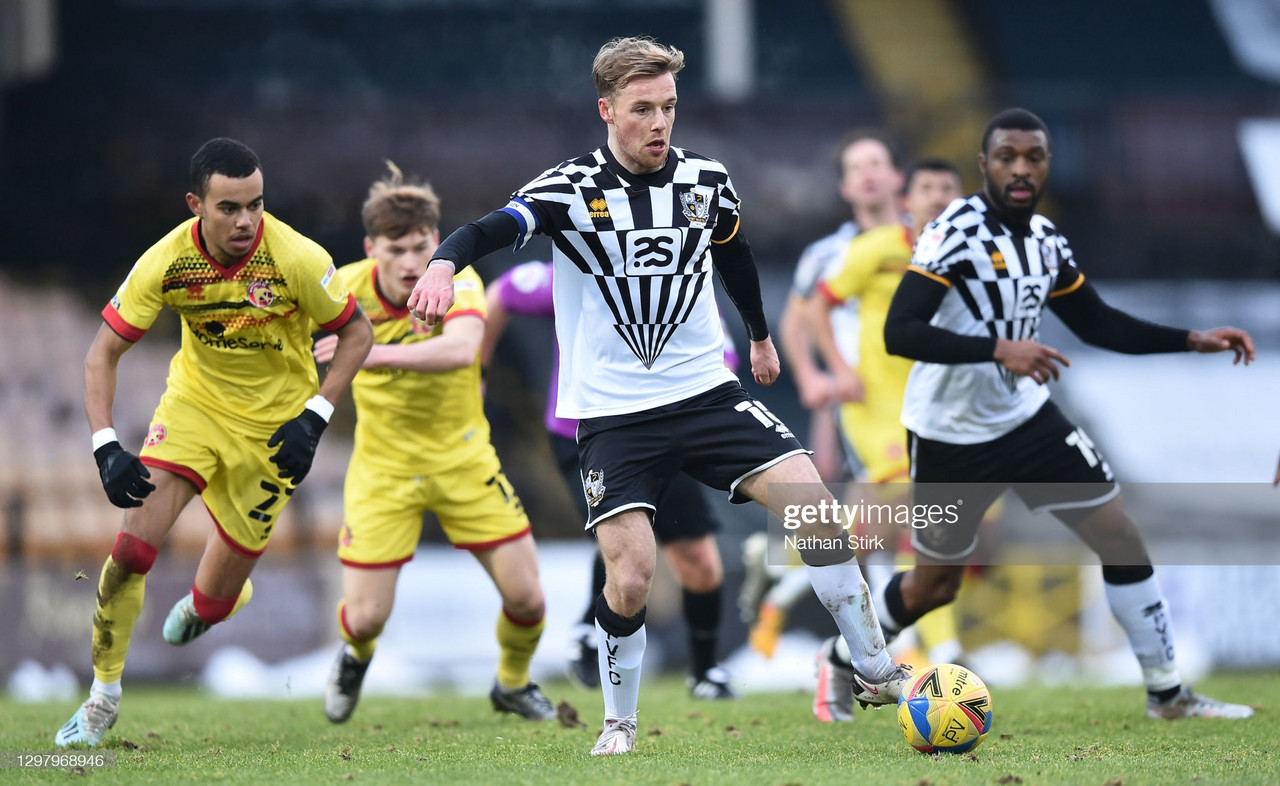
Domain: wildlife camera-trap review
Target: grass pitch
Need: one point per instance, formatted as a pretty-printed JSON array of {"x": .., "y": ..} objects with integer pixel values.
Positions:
[{"x": 1039, "y": 736}]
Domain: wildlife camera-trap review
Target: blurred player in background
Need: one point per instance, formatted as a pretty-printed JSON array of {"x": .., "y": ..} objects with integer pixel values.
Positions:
[
  {"x": 247, "y": 288},
  {"x": 637, "y": 227},
  {"x": 872, "y": 267},
  {"x": 684, "y": 524},
  {"x": 871, "y": 182},
  {"x": 422, "y": 443},
  {"x": 977, "y": 407}
]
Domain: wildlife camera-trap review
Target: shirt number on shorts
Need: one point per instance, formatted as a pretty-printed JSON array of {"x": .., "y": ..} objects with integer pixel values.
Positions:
[
  {"x": 761, "y": 413},
  {"x": 259, "y": 512},
  {"x": 1078, "y": 439},
  {"x": 505, "y": 488}
]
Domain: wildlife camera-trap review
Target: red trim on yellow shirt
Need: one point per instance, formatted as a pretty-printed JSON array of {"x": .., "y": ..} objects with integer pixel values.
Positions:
[
  {"x": 465, "y": 312},
  {"x": 828, "y": 295},
  {"x": 399, "y": 312},
  {"x": 336, "y": 324},
  {"x": 227, "y": 272},
  {"x": 120, "y": 326}
]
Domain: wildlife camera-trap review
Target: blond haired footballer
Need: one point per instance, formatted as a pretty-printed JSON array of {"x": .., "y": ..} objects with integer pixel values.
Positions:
[
  {"x": 637, "y": 228},
  {"x": 422, "y": 443},
  {"x": 247, "y": 288}
]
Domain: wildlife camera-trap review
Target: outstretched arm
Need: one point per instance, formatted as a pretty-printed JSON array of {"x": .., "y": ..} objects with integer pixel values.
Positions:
[
  {"x": 432, "y": 296},
  {"x": 1095, "y": 322},
  {"x": 1222, "y": 339}
]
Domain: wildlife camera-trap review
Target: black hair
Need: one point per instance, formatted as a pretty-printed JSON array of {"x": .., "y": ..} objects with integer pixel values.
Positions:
[
  {"x": 221, "y": 156},
  {"x": 1017, "y": 119},
  {"x": 930, "y": 164}
]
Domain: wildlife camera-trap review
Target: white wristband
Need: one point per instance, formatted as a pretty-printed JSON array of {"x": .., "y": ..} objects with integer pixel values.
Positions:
[
  {"x": 321, "y": 406},
  {"x": 452, "y": 267},
  {"x": 104, "y": 436}
]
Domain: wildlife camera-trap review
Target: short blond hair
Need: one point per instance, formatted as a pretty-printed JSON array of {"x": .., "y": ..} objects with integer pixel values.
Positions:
[
  {"x": 623, "y": 59},
  {"x": 394, "y": 208}
]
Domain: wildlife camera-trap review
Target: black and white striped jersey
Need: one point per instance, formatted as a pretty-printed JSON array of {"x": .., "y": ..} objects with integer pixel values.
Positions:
[
  {"x": 999, "y": 284},
  {"x": 635, "y": 308}
]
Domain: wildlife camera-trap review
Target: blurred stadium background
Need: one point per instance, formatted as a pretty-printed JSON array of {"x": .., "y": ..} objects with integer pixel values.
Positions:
[{"x": 1166, "y": 176}]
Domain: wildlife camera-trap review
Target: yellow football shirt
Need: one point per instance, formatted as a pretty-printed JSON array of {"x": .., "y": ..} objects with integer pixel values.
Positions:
[
  {"x": 409, "y": 422},
  {"x": 246, "y": 328},
  {"x": 871, "y": 269}
]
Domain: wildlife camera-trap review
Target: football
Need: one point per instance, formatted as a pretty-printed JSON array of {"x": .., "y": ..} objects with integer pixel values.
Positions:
[{"x": 947, "y": 709}]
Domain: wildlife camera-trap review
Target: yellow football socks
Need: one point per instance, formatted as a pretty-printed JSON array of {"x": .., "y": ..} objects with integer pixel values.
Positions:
[
  {"x": 119, "y": 604},
  {"x": 517, "y": 639}
]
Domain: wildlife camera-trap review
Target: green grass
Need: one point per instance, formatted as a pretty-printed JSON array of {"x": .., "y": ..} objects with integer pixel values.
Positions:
[{"x": 1040, "y": 736}]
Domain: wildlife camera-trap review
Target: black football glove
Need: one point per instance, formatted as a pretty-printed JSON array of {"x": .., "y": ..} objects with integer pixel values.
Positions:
[
  {"x": 297, "y": 440},
  {"x": 123, "y": 476}
]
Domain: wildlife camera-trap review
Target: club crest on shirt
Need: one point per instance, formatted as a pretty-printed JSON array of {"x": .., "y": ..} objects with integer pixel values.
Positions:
[
  {"x": 696, "y": 204},
  {"x": 260, "y": 294},
  {"x": 156, "y": 435},
  {"x": 593, "y": 487}
]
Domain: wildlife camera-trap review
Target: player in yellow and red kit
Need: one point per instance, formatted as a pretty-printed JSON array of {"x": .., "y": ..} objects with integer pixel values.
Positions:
[
  {"x": 422, "y": 443},
  {"x": 240, "y": 417}
]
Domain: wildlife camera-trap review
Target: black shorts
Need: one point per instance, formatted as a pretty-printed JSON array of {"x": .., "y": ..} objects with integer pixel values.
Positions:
[
  {"x": 683, "y": 513},
  {"x": 718, "y": 438},
  {"x": 1049, "y": 462}
]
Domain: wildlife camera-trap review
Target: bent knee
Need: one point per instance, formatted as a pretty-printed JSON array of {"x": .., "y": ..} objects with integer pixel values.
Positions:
[
  {"x": 365, "y": 619},
  {"x": 528, "y": 606}
]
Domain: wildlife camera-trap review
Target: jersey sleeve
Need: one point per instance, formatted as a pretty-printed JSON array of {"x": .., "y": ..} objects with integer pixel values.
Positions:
[
  {"x": 137, "y": 303},
  {"x": 1069, "y": 277},
  {"x": 322, "y": 294},
  {"x": 468, "y": 296},
  {"x": 526, "y": 290},
  {"x": 940, "y": 251},
  {"x": 809, "y": 268},
  {"x": 849, "y": 276},
  {"x": 536, "y": 205},
  {"x": 728, "y": 213}
]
